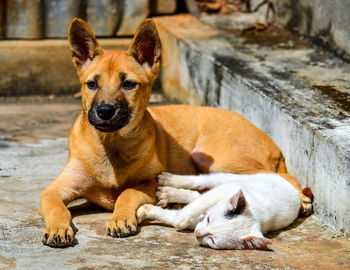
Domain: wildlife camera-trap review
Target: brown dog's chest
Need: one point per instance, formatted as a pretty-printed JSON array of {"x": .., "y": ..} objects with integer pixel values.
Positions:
[{"x": 117, "y": 167}]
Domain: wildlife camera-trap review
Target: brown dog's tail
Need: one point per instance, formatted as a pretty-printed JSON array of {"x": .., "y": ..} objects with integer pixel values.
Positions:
[
  {"x": 308, "y": 193},
  {"x": 281, "y": 166}
]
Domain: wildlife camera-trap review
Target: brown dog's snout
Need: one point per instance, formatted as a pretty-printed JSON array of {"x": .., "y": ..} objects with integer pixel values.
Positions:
[
  {"x": 109, "y": 117},
  {"x": 105, "y": 111}
]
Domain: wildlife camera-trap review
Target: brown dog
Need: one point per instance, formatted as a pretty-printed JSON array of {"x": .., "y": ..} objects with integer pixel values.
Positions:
[{"x": 117, "y": 146}]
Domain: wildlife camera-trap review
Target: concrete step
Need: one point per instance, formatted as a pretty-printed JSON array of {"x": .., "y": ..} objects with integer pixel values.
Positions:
[
  {"x": 42, "y": 67},
  {"x": 297, "y": 94}
]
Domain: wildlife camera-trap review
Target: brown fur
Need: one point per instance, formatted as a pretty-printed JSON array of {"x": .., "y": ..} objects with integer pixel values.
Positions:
[{"x": 117, "y": 170}]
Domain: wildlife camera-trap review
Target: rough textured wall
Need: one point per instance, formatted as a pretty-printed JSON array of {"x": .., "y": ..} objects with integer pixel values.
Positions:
[
  {"x": 34, "y": 19},
  {"x": 42, "y": 67},
  {"x": 326, "y": 22},
  {"x": 23, "y": 19}
]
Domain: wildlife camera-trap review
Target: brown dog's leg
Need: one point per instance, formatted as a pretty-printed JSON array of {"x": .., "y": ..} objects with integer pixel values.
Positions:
[
  {"x": 123, "y": 220},
  {"x": 54, "y": 199}
]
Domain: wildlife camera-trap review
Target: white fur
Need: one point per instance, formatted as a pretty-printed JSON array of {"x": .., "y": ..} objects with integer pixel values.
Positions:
[{"x": 271, "y": 204}]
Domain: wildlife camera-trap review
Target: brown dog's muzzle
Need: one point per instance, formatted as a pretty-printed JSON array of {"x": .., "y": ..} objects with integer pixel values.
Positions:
[
  {"x": 109, "y": 117},
  {"x": 105, "y": 111}
]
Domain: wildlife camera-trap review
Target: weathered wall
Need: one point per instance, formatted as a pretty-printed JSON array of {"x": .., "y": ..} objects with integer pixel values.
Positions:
[
  {"x": 42, "y": 67},
  {"x": 325, "y": 21},
  {"x": 22, "y": 19}
]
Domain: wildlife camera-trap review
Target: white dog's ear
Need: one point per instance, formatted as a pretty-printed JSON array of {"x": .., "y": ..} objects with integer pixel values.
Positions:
[
  {"x": 252, "y": 241},
  {"x": 237, "y": 205}
]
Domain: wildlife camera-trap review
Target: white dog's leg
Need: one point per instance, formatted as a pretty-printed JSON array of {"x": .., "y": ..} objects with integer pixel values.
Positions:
[
  {"x": 149, "y": 211},
  {"x": 167, "y": 195},
  {"x": 166, "y": 216},
  {"x": 191, "y": 212},
  {"x": 186, "y": 217},
  {"x": 197, "y": 182}
]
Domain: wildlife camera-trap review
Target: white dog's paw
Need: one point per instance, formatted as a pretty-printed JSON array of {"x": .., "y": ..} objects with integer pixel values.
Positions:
[
  {"x": 183, "y": 221},
  {"x": 168, "y": 195},
  {"x": 141, "y": 213},
  {"x": 162, "y": 196},
  {"x": 173, "y": 180},
  {"x": 166, "y": 179}
]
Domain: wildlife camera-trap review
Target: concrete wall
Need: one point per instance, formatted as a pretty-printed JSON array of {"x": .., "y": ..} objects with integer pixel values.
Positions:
[
  {"x": 22, "y": 19},
  {"x": 42, "y": 67},
  {"x": 326, "y": 22}
]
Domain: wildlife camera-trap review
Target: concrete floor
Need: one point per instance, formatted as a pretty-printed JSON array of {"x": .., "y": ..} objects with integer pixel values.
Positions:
[{"x": 32, "y": 153}]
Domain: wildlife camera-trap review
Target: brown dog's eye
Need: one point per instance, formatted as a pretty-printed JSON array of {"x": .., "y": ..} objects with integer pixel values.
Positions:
[
  {"x": 128, "y": 85},
  {"x": 92, "y": 85}
]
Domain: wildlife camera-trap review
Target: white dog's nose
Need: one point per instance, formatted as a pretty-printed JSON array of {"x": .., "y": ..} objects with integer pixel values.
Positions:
[{"x": 200, "y": 234}]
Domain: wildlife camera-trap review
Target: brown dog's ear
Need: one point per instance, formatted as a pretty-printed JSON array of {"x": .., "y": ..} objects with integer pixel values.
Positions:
[
  {"x": 82, "y": 42},
  {"x": 146, "y": 46}
]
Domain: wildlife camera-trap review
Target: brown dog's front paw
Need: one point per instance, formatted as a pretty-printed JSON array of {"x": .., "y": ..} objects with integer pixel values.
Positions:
[
  {"x": 58, "y": 236},
  {"x": 121, "y": 226}
]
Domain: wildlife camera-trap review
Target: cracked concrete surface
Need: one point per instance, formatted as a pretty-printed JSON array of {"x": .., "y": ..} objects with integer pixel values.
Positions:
[{"x": 32, "y": 153}]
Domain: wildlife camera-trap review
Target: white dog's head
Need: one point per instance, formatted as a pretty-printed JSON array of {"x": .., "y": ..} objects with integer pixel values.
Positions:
[{"x": 230, "y": 225}]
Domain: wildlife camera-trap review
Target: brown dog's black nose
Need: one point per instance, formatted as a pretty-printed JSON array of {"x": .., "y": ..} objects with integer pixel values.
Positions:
[{"x": 105, "y": 111}]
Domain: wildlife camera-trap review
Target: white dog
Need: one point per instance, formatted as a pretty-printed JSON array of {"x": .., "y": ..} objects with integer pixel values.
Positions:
[{"x": 233, "y": 214}]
